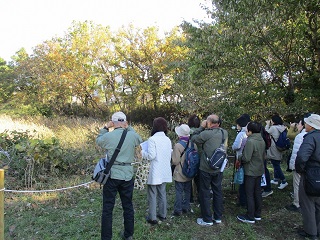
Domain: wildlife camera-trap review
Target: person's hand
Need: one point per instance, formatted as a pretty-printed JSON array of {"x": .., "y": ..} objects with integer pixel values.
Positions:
[
  {"x": 299, "y": 126},
  {"x": 293, "y": 125},
  {"x": 204, "y": 123},
  {"x": 109, "y": 124},
  {"x": 268, "y": 122}
]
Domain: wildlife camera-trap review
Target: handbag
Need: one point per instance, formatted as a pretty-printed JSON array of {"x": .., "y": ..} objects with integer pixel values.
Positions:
[
  {"x": 218, "y": 156},
  {"x": 239, "y": 176},
  {"x": 312, "y": 182},
  {"x": 263, "y": 180},
  {"x": 101, "y": 172}
]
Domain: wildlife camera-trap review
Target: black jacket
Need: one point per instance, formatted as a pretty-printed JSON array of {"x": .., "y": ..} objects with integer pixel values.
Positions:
[{"x": 309, "y": 152}]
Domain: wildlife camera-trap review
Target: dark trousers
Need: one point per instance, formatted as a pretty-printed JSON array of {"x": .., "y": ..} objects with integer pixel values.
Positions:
[
  {"x": 267, "y": 188},
  {"x": 310, "y": 209},
  {"x": 110, "y": 189},
  {"x": 242, "y": 195},
  {"x": 211, "y": 181},
  {"x": 254, "y": 198}
]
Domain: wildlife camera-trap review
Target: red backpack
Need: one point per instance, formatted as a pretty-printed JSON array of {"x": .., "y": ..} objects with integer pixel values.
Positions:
[{"x": 266, "y": 137}]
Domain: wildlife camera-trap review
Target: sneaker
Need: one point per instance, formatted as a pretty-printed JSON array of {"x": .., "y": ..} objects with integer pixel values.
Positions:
[
  {"x": 203, "y": 223},
  {"x": 275, "y": 182},
  {"x": 292, "y": 208},
  {"x": 283, "y": 185},
  {"x": 266, "y": 194},
  {"x": 125, "y": 238},
  {"x": 257, "y": 218},
  {"x": 245, "y": 219},
  {"x": 217, "y": 221}
]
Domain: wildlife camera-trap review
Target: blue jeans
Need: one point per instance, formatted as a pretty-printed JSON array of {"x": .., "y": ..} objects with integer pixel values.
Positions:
[
  {"x": 110, "y": 189},
  {"x": 183, "y": 192},
  {"x": 277, "y": 171},
  {"x": 211, "y": 181}
]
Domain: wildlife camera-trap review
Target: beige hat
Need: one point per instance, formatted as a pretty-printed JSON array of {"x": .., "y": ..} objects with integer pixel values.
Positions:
[
  {"x": 183, "y": 130},
  {"x": 118, "y": 117},
  {"x": 313, "y": 120}
]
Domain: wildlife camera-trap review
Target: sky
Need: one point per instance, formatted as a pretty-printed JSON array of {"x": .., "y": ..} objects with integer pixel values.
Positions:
[{"x": 27, "y": 23}]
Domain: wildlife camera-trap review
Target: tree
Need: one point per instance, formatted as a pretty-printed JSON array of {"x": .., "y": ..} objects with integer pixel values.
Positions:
[
  {"x": 6, "y": 81},
  {"x": 143, "y": 63},
  {"x": 257, "y": 53}
]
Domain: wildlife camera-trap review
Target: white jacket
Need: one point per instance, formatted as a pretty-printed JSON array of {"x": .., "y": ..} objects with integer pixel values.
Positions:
[
  {"x": 159, "y": 153},
  {"x": 296, "y": 145},
  {"x": 240, "y": 142}
]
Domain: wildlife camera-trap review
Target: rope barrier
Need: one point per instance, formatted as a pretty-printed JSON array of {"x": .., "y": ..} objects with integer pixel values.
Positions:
[{"x": 49, "y": 190}]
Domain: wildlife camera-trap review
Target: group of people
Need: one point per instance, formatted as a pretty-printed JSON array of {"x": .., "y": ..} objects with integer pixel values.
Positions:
[{"x": 252, "y": 153}]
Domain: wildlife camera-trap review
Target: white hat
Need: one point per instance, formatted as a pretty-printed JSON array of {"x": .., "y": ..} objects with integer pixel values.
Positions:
[
  {"x": 183, "y": 130},
  {"x": 313, "y": 120},
  {"x": 118, "y": 117}
]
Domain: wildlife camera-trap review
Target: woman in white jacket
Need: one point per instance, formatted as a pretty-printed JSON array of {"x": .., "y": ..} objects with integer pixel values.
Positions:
[
  {"x": 159, "y": 154},
  {"x": 296, "y": 177}
]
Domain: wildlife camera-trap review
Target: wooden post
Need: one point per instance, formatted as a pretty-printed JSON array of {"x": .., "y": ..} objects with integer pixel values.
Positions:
[{"x": 1, "y": 204}]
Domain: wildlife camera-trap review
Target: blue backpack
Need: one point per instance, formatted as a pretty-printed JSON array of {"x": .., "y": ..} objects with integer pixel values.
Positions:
[
  {"x": 191, "y": 163},
  {"x": 283, "y": 143}
]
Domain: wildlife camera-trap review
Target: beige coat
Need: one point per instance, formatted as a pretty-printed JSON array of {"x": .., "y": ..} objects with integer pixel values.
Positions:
[{"x": 176, "y": 160}]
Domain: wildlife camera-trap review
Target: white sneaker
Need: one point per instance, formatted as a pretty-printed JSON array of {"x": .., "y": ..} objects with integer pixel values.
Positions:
[
  {"x": 275, "y": 182},
  {"x": 283, "y": 185},
  {"x": 203, "y": 223},
  {"x": 217, "y": 221}
]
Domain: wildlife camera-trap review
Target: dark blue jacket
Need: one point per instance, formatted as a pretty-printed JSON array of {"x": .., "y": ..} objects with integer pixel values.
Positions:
[{"x": 309, "y": 152}]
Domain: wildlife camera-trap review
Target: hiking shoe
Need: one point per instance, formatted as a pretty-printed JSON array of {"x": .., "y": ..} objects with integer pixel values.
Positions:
[
  {"x": 283, "y": 185},
  {"x": 303, "y": 233},
  {"x": 176, "y": 214},
  {"x": 266, "y": 194},
  {"x": 203, "y": 223},
  {"x": 292, "y": 208},
  {"x": 245, "y": 219},
  {"x": 275, "y": 182}
]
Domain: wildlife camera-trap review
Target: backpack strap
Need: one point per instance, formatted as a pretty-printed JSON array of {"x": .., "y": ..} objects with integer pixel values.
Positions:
[
  {"x": 185, "y": 146},
  {"x": 116, "y": 152},
  {"x": 222, "y": 142}
]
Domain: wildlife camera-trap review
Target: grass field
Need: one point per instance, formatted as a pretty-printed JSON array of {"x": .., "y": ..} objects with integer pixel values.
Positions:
[{"x": 75, "y": 213}]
